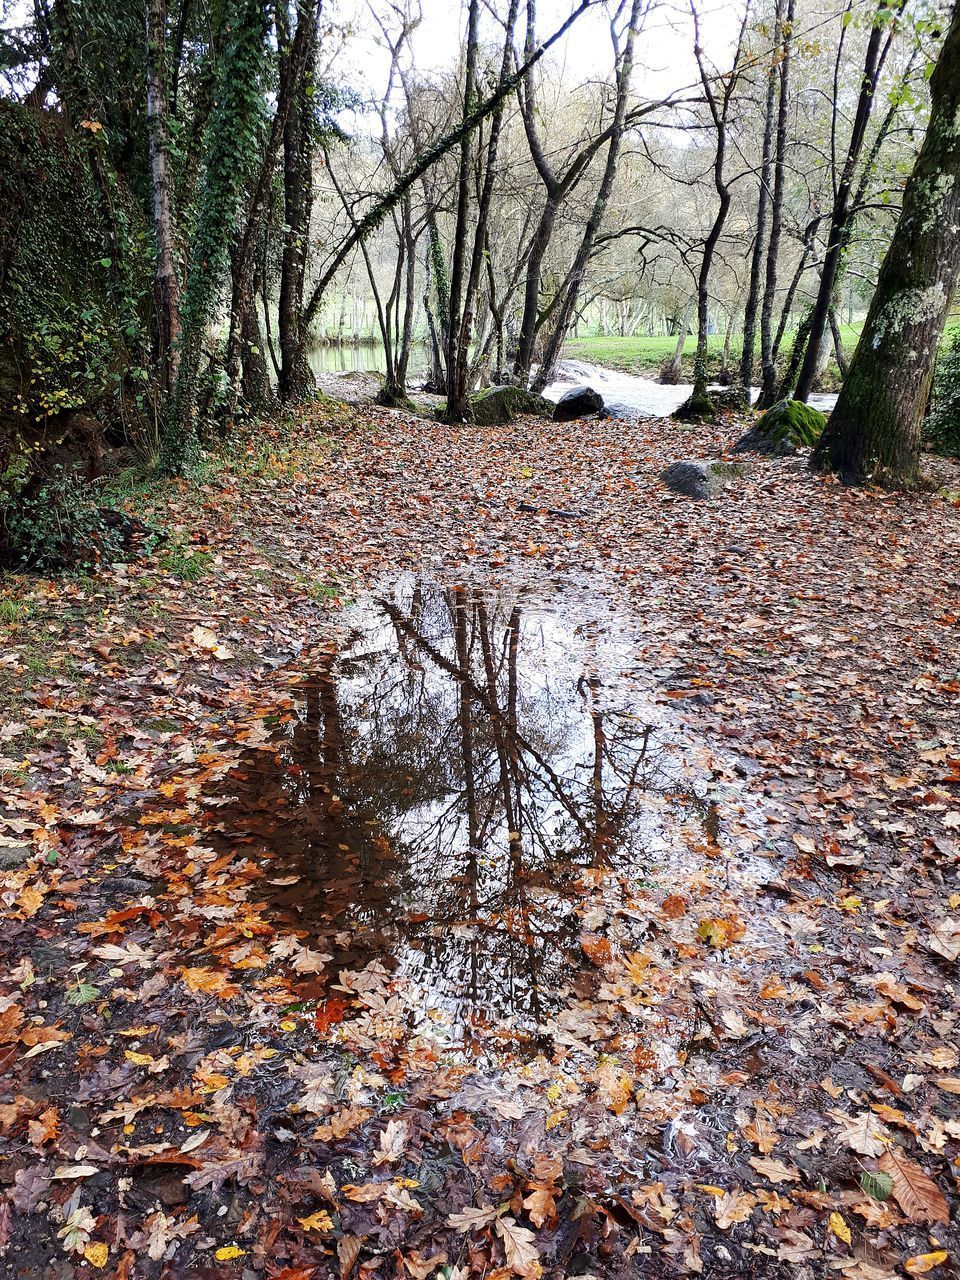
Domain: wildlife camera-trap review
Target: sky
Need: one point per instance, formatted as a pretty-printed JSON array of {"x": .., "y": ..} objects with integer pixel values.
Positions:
[{"x": 664, "y": 52}]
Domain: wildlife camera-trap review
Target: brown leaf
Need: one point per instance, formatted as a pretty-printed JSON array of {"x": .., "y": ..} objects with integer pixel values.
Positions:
[
  {"x": 917, "y": 1195},
  {"x": 519, "y": 1249},
  {"x": 775, "y": 1170}
]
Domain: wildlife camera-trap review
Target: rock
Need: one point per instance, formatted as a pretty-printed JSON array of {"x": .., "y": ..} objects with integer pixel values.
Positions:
[
  {"x": 502, "y": 404},
  {"x": 580, "y": 402},
  {"x": 787, "y": 426},
  {"x": 702, "y": 479},
  {"x": 15, "y": 856}
]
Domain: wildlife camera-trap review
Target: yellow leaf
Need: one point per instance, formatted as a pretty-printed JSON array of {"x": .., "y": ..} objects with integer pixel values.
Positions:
[
  {"x": 141, "y": 1059},
  {"x": 96, "y": 1253},
  {"x": 319, "y": 1221},
  {"x": 924, "y": 1262},
  {"x": 288, "y": 1025},
  {"x": 839, "y": 1228},
  {"x": 227, "y": 1253}
]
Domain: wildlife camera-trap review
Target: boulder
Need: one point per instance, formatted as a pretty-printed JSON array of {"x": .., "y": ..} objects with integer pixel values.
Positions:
[
  {"x": 502, "y": 404},
  {"x": 580, "y": 402},
  {"x": 787, "y": 426},
  {"x": 702, "y": 479}
]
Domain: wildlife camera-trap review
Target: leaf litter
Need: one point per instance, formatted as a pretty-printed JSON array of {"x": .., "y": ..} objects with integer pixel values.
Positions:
[{"x": 438, "y": 887}]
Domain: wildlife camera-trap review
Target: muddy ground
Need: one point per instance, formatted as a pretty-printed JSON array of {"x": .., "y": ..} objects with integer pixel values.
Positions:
[{"x": 449, "y": 853}]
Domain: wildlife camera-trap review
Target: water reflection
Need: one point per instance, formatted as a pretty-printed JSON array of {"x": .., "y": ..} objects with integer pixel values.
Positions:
[{"x": 458, "y": 777}]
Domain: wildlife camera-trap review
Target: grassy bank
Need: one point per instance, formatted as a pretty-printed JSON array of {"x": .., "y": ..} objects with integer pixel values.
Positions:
[{"x": 645, "y": 352}]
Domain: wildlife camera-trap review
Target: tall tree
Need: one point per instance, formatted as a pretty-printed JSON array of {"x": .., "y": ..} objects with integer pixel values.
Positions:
[
  {"x": 768, "y": 343},
  {"x": 719, "y": 104},
  {"x": 167, "y": 284},
  {"x": 879, "y": 43},
  {"x": 874, "y": 432},
  {"x": 763, "y": 204},
  {"x": 570, "y": 289}
]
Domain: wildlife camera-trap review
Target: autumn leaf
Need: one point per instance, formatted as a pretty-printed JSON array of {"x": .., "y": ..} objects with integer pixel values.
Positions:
[
  {"x": 393, "y": 1142},
  {"x": 596, "y": 948},
  {"x": 519, "y": 1250},
  {"x": 917, "y": 1195},
  {"x": 472, "y": 1219},
  {"x": 319, "y": 1221},
  {"x": 228, "y": 1253},
  {"x": 720, "y": 932},
  {"x": 731, "y": 1207},
  {"x": 96, "y": 1253},
  {"x": 839, "y": 1228},
  {"x": 774, "y": 1170},
  {"x": 922, "y": 1263},
  {"x": 863, "y": 1133},
  {"x": 210, "y": 982}
]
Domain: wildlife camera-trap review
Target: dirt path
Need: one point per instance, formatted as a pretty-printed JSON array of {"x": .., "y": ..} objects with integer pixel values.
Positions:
[{"x": 263, "y": 1013}]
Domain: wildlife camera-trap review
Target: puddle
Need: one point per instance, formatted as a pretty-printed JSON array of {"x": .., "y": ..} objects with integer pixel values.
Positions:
[{"x": 463, "y": 772}]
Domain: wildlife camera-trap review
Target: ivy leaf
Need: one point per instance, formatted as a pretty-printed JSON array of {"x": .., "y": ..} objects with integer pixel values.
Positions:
[{"x": 877, "y": 1185}]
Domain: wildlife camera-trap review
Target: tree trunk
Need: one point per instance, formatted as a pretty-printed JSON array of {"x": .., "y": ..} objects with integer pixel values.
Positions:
[
  {"x": 763, "y": 202},
  {"x": 672, "y": 371},
  {"x": 571, "y": 286},
  {"x": 167, "y": 280},
  {"x": 296, "y": 380},
  {"x": 874, "y": 432},
  {"x": 768, "y": 348},
  {"x": 700, "y": 404},
  {"x": 877, "y": 48},
  {"x": 458, "y": 408}
]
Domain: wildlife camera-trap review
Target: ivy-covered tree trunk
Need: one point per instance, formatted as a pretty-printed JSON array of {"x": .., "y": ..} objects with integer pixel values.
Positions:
[
  {"x": 296, "y": 378},
  {"x": 873, "y": 433},
  {"x": 232, "y": 142},
  {"x": 167, "y": 281}
]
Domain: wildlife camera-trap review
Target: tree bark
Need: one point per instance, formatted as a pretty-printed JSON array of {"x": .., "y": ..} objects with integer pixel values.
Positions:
[
  {"x": 768, "y": 348},
  {"x": 877, "y": 49},
  {"x": 166, "y": 280},
  {"x": 570, "y": 290},
  {"x": 763, "y": 203},
  {"x": 296, "y": 380},
  {"x": 874, "y": 432},
  {"x": 458, "y": 409}
]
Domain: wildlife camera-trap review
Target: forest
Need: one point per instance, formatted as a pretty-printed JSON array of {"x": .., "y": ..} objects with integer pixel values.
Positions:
[{"x": 479, "y": 639}]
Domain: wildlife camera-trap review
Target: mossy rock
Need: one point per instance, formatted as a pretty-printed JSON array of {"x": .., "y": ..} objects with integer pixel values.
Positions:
[
  {"x": 499, "y": 405},
  {"x": 787, "y": 426},
  {"x": 702, "y": 479},
  {"x": 698, "y": 408}
]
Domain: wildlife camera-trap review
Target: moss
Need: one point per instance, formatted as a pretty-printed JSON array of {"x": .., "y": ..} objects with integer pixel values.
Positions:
[
  {"x": 785, "y": 427},
  {"x": 502, "y": 404},
  {"x": 699, "y": 408}
]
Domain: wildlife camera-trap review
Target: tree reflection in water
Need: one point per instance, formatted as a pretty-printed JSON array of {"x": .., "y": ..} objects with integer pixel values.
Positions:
[{"x": 454, "y": 781}]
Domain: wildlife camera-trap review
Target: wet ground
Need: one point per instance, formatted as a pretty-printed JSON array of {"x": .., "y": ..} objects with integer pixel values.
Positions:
[
  {"x": 581, "y": 900},
  {"x": 465, "y": 763}
]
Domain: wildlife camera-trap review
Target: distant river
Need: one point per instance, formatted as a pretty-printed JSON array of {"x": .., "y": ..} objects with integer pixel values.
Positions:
[
  {"x": 626, "y": 394},
  {"x": 629, "y": 396}
]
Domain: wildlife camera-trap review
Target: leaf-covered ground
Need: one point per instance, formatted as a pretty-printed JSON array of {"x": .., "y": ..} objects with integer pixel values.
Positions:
[{"x": 755, "y": 1065}]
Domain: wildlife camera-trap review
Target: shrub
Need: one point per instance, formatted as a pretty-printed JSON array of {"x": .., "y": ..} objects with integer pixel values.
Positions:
[
  {"x": 942, "y": 428},
  {"x": 57, "y": 527}
]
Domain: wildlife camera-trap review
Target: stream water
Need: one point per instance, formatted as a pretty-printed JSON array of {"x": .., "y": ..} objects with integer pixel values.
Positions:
[
  {"x": 626, "y": 395},
  {"x": 629, "y": 396},
  {"x": 464, "y": 767}
]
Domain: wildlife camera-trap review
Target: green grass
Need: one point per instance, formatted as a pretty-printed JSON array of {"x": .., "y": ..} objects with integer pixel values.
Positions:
[
  {"x": 646, "y": 352},
  {"x": 185, "y": 562}
]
